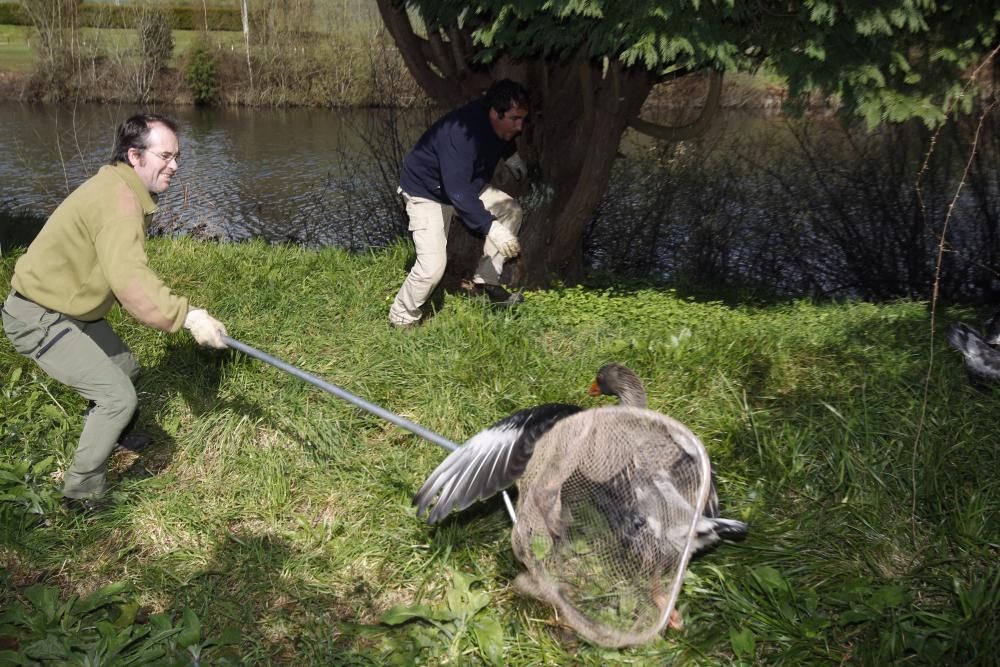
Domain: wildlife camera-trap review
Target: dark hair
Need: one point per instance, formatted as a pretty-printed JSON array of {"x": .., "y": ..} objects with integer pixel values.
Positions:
[
  {"x": 134, "y": 133},
  {"x": 504, "y": 94}
]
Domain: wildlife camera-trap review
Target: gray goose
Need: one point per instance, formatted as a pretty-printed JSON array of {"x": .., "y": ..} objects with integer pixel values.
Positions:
[{"x": 496, "y": 457}]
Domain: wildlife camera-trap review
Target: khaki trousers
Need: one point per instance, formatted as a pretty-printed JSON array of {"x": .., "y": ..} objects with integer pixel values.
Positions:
[
  {"x": 429, "y": 223},
  {"x": 93, "y": 360}
]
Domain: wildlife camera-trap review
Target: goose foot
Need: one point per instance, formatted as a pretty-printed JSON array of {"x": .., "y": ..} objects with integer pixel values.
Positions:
[{"x": 660, "y": 599}]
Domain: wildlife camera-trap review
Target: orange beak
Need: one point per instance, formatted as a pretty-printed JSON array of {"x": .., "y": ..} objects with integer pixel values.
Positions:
[{"x": 594, "y": 389}]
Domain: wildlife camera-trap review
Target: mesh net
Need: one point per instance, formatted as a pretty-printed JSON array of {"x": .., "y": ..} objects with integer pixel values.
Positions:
[{"x": 606, "y": 517}]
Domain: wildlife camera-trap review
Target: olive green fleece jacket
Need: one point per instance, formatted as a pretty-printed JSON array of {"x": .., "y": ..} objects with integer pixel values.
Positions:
[{"x": 90, "y": 253}]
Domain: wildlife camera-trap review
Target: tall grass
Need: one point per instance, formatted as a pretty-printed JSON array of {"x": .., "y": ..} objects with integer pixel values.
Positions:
[{"x": 271, "y": 507}]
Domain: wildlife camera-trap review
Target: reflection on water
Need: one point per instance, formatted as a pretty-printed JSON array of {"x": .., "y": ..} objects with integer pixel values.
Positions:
[
  {"x": 291, "y": 174},
  {"x": 811, "y": 207}
]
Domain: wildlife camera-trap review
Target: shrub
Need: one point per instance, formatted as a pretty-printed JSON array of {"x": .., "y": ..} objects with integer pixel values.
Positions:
[
  {"x": 202, "y": 74},
  {"x": 11, "y": 13}
]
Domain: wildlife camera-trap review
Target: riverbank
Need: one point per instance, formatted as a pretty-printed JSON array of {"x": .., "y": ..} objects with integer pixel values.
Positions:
[
  {"x": 741, "y": 91},
  {"x": 279, "y": 517},
  {"x": 355, "y": 67}
]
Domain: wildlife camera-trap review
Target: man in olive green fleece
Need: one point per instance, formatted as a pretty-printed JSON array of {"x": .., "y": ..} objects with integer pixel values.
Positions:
[{"x": 88, "y": 256}]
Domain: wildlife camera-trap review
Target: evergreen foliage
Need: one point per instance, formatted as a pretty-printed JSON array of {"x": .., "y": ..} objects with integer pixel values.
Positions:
[{"x": 202, "y": 74}]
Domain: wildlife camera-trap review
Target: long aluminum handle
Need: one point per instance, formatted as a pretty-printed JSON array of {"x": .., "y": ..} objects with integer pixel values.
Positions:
[
  {"x": 376, "y": 410},
  {"x": 368, "y": 406}
]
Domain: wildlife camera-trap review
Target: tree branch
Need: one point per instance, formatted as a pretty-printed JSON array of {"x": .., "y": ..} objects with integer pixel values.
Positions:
[
  {"x": 586, "y": 93},
  {"x": 441, "y": 57},
  {"x": 456, "y": 39},
  {"x": 691, "y": 130},
  {"x": 411, "y": 48}
]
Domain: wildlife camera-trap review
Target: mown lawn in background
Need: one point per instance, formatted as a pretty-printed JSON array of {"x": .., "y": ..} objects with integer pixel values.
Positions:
[
  {"x": 15, "y": 50},
  {"x": 16, "y": 53},
  {"x": 279, "y": 510}
]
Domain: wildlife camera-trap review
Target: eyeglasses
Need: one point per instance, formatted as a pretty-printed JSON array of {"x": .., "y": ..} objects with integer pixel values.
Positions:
[{"x": 166, "y": 157}]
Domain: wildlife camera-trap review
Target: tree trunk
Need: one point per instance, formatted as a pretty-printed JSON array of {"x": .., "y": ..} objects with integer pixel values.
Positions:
[
  {"x": 576, "y": 133},
  {"x": 580, "y": 109}
]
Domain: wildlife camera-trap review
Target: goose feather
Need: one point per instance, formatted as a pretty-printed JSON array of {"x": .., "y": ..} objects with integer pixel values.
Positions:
[{"x": 488, "y": 462}]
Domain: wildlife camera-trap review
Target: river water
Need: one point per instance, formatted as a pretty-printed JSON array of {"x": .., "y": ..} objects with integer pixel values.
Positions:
[
  {"x": 299, "y": 175},
  {"x": 797, "y": 208}
]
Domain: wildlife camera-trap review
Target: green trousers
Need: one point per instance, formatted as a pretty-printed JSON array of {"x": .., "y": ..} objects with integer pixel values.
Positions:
[{"x": 93, "y": 360}]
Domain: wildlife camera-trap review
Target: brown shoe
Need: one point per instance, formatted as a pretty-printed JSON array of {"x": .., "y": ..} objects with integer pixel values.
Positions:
[{"x": 471, "y": 289}]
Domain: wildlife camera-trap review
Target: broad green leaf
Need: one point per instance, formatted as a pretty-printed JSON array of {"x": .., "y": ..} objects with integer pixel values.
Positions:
[
  {"x": 52, "y": 412},
  {"x": 160, "y": 622},
  {"x": 43, "y": 466},
  {"x": 127, "y": 613},
  {"x": 100, "y": 597},
  {"x": 461, "y": 600},
  {"x": 13, "y": 658},
  {"x": 49, "y": 648},
  {"x": 743, "y": 642},
  {"x": 888, "y": 596},
  {"x": 44, "y": 599},
  {"x": 770, "y": 579},
  {"x": 402, "y": 614},
  {"x": 489, "y": 637},
  {"x": 230, "y": 636},
  {"x": 857, "y": 615},
  {"x": 541, "y": 546},
  {"x": 190, "y": 633}
]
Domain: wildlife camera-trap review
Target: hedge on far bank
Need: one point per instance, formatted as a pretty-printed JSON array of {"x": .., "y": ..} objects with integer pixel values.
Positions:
[{"x": 100, "y": 15}]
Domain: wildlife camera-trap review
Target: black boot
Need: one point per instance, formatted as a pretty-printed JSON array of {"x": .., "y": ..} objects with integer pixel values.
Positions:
[
  {"x": 500, "y": 297},
  {"x": 86, "y": 506}
]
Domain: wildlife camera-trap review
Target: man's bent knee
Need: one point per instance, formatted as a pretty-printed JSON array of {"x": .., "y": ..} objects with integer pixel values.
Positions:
[
  {"x": 119, "y": 404},
  {"x": 429, "y": 268}
]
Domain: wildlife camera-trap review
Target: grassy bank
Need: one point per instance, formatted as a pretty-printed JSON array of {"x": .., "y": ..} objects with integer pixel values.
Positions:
[
  {"x": 327, "y": 54},
  {"x": 278, "y": 510}
]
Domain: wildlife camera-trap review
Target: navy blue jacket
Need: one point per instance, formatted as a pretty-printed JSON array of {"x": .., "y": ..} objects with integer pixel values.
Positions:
[{"x": 454, "y": 160}]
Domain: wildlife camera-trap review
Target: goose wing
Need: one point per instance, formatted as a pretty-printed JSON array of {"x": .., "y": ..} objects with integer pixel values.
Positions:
[
  {"x": 489, "y": 461},
  {"x": 981, "y": 359},
  {"x": 993, "y": 329}
]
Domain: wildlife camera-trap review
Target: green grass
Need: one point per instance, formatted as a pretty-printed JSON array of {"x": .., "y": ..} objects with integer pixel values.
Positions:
[
  {"x": 15, "y": 51},
  {"x": 275, "y": 508}
]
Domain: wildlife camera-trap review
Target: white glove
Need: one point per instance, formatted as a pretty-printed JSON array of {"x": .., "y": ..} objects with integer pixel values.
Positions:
[
  {"x": 517, "y": 166},
  {"x": 506, "y": 243},
  {"x": 206, "y": 330}
]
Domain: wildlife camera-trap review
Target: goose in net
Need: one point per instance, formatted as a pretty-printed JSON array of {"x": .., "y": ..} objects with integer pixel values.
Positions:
[{"x": 612, "y": 503}]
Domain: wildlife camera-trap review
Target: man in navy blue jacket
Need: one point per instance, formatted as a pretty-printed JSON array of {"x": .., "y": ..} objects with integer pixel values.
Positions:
[{"x": 448, "y": 170}]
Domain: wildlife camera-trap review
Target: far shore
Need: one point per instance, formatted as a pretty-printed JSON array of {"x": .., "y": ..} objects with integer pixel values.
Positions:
[{"x": 740, "y": 92}]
